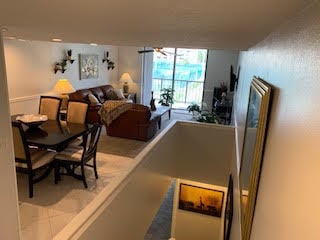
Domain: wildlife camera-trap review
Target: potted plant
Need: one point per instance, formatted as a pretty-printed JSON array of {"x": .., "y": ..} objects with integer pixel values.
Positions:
[
  {"x": 208, "y": 118},
  {"x": 166, "y": 96},
  {"x": 194, "y": 108}
]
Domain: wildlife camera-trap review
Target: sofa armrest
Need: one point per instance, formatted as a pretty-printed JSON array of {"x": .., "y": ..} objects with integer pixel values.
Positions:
[
  {"x": 134, "y": 124},
  {"x": 92, "y": 114},
  {"x": 94, "y": 107}
]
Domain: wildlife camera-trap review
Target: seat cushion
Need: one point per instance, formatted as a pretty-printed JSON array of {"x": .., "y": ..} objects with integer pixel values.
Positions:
[
  {"x": 71, "y": 153},
  {"x": 76, "y": 142},
  {"x": 39, "y": 158}
]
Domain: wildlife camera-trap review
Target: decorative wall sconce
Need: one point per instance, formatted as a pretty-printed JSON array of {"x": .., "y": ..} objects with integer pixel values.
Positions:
[
  {"x": 108, "y": 60},
  {"x": 69, "y": 56},
  {"x": 62, "y": 66}
]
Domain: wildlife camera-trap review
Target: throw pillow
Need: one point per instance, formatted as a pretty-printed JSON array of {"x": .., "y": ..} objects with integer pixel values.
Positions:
[
  {"x": 111, "y": 95},
  {"x": 92, "y": 98},
  {"x": 119, "y": 93}
]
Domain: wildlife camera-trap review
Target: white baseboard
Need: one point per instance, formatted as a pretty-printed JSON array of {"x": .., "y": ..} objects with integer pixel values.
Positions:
[{"x": 25, "y": 98}]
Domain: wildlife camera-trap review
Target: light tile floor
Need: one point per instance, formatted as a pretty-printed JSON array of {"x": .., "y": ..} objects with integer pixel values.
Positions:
[{"x": 53, "y": 206}]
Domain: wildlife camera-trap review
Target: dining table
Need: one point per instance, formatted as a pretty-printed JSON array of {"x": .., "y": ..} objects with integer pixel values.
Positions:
[{"x": 53, "y": 134}]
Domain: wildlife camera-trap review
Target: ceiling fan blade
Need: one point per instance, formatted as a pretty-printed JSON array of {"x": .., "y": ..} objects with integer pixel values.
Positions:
[
  {"x": 145, "y": 51},
  {"x": 164, "y": 53},
  {"x": 172, "y": 53}
]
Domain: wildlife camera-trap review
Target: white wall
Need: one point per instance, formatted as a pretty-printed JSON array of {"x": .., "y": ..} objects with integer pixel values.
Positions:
[
  {"x": 9, "y": 223},
  {"x": 130, "y": 61},
  {"x": 205, "y": 149},
  {"x": 288, "y": 200},
  {"x": 30, "y": 70},
  {"x": 126, "y": 209},
  {"x": 218, "y": 71}
]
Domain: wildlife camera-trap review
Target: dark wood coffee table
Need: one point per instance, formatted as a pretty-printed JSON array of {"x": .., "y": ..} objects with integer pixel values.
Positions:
[{"x": 160, "y": 111}]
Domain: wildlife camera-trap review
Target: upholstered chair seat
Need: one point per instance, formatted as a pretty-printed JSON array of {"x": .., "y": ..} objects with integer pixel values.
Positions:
[
  {"x": 39, "y": 158},
  {"x": 79, "y": 156},
  {"x": 71, "y": 153}
]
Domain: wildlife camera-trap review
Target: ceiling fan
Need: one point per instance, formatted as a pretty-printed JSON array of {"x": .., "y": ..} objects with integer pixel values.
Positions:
[{"x": 156, "y": 49}]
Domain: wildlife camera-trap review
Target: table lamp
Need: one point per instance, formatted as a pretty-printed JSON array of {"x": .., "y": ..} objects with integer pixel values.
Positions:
[
  {"x": 125, "y": 78},
  {"x": 64, "y": 87}
]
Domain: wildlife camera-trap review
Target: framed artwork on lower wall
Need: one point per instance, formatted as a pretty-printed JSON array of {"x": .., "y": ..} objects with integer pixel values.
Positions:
[{"x": 200, "y": 200}]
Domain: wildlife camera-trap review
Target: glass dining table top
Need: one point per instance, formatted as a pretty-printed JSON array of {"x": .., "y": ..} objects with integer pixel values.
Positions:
[{"x": 53, "y": 134}]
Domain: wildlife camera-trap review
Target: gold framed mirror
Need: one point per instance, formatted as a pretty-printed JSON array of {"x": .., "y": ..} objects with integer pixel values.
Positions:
[{"x": 252, "y": 152}]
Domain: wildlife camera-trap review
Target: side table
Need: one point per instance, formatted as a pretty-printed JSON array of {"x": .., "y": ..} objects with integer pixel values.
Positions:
[{"x": 160, "y": 111}]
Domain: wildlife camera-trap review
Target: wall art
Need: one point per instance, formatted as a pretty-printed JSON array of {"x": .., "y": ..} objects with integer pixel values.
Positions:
[
  {"x": 89, "y": 66},
  {"x": 201, "y": 200}
]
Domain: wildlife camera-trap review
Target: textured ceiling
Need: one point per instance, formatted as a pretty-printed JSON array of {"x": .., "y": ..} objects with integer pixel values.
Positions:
[{"x": 214, "y": 24}]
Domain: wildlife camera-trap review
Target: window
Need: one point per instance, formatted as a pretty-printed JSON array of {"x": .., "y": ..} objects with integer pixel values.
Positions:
[{"x": 183, "y": 70}]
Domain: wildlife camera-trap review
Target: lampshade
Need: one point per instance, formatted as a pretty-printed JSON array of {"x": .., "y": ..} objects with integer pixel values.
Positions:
[
  {"x": 63, "y": 86},
  {"x": 126, "y": 78}
]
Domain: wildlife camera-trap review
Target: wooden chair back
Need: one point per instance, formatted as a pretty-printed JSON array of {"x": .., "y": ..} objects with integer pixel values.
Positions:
[
  {"x": 77, "y": 111},
  {"x": 21, "y": 149},
  {"x": 90, "y": 141},
  {"x": 50, "y": 106}
]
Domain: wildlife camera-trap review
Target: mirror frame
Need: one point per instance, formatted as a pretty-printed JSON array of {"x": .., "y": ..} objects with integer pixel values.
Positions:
[{"x": 263, "y": 90}]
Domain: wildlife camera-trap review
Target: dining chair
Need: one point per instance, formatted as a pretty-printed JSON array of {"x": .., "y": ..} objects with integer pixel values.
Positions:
[
  {"x": 73, "y": 156},
  {"x": 29, "y": 160},
  {"x": 50, "y": 106},
  {"x": 77, "y": 111}
]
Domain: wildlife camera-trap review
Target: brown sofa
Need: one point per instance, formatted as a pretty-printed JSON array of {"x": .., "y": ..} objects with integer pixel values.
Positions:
[
  {"x": 136, "y": 123},
  {"x": 99, "y": 92}
]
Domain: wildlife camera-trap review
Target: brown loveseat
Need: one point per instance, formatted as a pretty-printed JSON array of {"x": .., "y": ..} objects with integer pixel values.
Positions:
[
  {"x": 99, "y": 92},
  {"x": 136, "y": 123}
]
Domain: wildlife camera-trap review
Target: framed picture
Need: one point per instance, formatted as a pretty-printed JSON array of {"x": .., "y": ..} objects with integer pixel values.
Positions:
[
  {"x": 200, "y": 200},
  {"x": 89, "y": 66},
  {"x": 252, "y": 153},
  {"x": 228, "y": 212}
]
